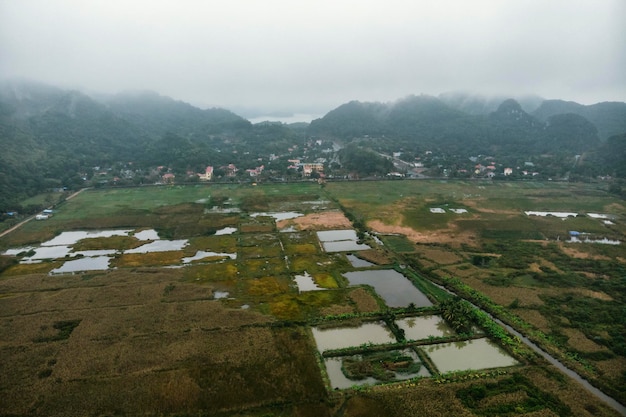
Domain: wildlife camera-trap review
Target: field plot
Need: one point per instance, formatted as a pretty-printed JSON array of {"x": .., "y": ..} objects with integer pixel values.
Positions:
[{"x": 301, "y": 300}]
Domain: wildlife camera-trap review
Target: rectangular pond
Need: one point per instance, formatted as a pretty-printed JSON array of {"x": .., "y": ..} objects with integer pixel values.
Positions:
[
  {"x": 468, "y": 355},
  {"x": 344, "y": 337},
  {"x": 340, "y": 241},
  {"x": 423, "y": 327},
  {"x": 393, "y": 287}
]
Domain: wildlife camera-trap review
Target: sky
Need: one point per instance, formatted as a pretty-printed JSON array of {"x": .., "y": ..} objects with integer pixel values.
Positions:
[{"x": 310, "y": 56}]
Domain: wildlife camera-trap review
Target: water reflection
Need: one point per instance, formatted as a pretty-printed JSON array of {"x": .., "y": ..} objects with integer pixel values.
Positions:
[
  {"x": 344, "y": 337},
  {"x": 278, "y": 216},
  {"x": 468, "y": 355},
  {"x": 423, "y": 327},
  {"x": 160, "y": 246},
  {"x": 305, "y": 282},
  {"x": 358, "y": 262},
  {"x": 392, "y": 286},
  {"x": 98, "y": 263},
  {"x": 226, "y": 231},
  {"x": 203, "y": 254}
]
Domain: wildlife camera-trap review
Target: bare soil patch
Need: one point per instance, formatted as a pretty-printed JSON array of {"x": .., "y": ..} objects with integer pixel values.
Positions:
[
  {"x": 449, "y": 236},
  {"x": 318, "y": 221}
]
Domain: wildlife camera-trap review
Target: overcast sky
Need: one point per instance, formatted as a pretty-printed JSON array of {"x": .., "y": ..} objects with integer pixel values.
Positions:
[{"x": 309, "y": 56}]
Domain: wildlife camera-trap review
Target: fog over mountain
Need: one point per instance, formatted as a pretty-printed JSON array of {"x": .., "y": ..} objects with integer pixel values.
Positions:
[{"x": 279, "y": 57}]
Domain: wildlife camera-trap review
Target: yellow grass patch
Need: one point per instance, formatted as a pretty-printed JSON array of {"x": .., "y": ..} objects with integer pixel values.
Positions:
[
  {"x": 215, "y": 272},
  {"x": 213, "y": 243},
  {"x": 325, "y": 280},
  {"x": 25, "y": 269},
  {"x": 129, "y": 260},
  {"x": 266, "y": 286},
  {"x": 285, "y": 309},
  {"x": 302, "y": 249}
]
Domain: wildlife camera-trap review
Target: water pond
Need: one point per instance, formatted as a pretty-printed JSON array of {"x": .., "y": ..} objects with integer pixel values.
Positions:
[
  {"x": 395, "y": 365},
  {"x": 149, "y": 234},
  {"x": 358, "y": 262},
  {"x": 204, "y": 254},
  {"x": 344, "y": 337},
  {"x": 278, "y": 216},
  {"x": 97, "y": 263},
  {"x": 160, "y": 246},
  {"x": 305, "y": 282},
  {"x": 468, "y": 355},
  {"x": 340, "y": 241},
  {"x": 393, "y": 287},
  {"x": 336, "y": 235},
  {"x": 226, "y": 231},
  {"x": 70, "y": 238},
  {"x": 423, "y": 327}
]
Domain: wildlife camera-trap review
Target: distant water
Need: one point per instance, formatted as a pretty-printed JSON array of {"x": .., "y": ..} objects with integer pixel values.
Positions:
[{"x": 294, "y": 118}]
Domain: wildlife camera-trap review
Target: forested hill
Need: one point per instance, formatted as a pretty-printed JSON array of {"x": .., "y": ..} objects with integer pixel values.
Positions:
[
  {"x": 608, "y": 117},
  {"x": 431, "y": 122},
  {"x": 54, "y": 138},
  {"x": 50, "y": 136}
]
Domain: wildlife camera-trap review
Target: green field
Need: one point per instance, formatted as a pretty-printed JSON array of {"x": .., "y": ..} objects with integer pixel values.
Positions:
[{"x": 230, "y": 333}]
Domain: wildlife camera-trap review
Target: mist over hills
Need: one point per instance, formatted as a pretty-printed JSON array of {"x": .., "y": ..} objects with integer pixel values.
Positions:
[{"x": 52, "y": 137}]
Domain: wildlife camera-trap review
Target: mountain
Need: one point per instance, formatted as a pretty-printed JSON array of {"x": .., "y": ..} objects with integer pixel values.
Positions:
[
  {"x": 157, "y": 115},
  {"x": 477, "y": 104},
  {"x": 608, "y": 117},
  {"x": 52, "y": 137}
]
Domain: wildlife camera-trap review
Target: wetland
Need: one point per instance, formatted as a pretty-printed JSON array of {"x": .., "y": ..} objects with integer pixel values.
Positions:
[{"x": 281, "y": 305}]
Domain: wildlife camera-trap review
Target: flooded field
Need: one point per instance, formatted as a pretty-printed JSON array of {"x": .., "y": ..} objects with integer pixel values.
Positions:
[{"x": 247, "y": 298}]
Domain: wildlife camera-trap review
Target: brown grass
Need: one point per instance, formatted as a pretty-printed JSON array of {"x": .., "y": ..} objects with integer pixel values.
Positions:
[
  {"x": 439, "y": 256},
  {"x": 375, "y": 256},
  {"x": 363, "y": 300}
]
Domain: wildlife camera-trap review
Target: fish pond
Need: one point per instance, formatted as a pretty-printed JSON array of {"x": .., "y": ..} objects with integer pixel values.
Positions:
[
  {"x": 375, "y": 333},
  {"x": 393, "y": 287},
  {"x": 468, "y": 355}
]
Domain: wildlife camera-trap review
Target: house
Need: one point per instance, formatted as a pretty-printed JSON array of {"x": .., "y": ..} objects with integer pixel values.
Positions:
[
  {"x": 309, "y": 167},
  {"x": 231, "y": 170},
  {"x": 42, "y": 217},
  {"x": 208, "y": 174},
  {"x": 256, "y": 171},
  {"x": 168, "y": 178},
  {"x": 508, "y": 171}
]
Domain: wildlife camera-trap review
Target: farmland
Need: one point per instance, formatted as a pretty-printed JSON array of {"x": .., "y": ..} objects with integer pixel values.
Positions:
[{"x": 218, "y": 325}]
